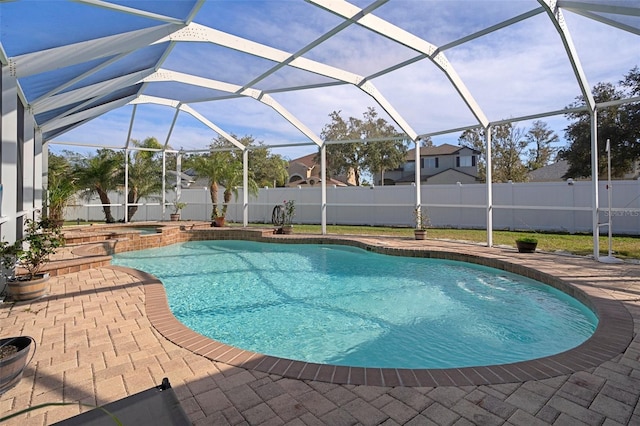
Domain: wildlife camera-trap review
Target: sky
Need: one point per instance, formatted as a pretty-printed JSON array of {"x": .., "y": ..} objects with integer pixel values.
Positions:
[{"x": 513, "y": 72}]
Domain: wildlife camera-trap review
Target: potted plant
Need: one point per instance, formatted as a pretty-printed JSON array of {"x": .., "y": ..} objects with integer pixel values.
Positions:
[
  {"x": 218, "y": 221},
  {"x": 13, "y": 360},
  {"x": 177, "y": 206},
  {"x": 289, "y": 214},
  {"x": 526, "y": 244},
  {"x": 13, "y": 350},
  {"x": 422, "y": 223},
  {"x": 41, "y": 239}
]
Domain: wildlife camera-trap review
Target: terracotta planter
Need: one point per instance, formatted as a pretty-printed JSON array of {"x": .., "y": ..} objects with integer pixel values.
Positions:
[
  {"x": 420, "y": 234},
  {"x": 287, "y": 229},
  {"x": 22, "y": 289},
  {"x": 526, "y": 247},
  {"x": 174, "y": 217},
  {"x": 218, "y": 222},
  {"x": 12, "y": 366}
]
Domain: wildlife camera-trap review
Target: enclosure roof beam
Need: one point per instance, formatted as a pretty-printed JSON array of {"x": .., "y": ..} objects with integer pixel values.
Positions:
[
  {"x": 209, "y": 124},
  {"x": 173, "y": 124},
  {"x": 88, "y": 92},
  {"x": 76, "y": 53},
  {"x": 146, "y": 99},
  {"x": 4, "y": 60},
  {"x": 199, "y": 33},
  {"x": 397, "y": 34},
  {"x": 132, "y": 11},
  {"x": 587, "y": 13},
  {"x": 133, "y": 117},
  {"x": 557, "y": 18},
  {"x": 326, "y": 36},
  {"x": 614, "y": 9},
  {"x": 167, "y": 75},
  {"x": 87, "y": 114}
]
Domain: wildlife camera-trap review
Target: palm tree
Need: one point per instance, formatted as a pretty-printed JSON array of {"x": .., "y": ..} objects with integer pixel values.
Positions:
[
  {"x": 221, "y": 168},
  {"x": 144, "y": 169},
  {"x": 100, "y": 174},
  {"x": 61, "y": 186},
  {"x": 232, "y": 179},
  {"x": 213, "y": 166}
]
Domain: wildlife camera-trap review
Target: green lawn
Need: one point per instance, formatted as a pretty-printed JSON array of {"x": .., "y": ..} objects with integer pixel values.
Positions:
[
  {"x": 624, "y": 247},
  {"x": 581, "y": 244}
]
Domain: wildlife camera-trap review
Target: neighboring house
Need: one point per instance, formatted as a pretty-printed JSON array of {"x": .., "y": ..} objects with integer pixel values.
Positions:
[
  {"x": 186, "y": 178},
  {"x": 305, "y": 171},
  {"x": 442, "y": 164},
  {"x": 549, "y": 173},
  {"x": 555, "y": 172}
]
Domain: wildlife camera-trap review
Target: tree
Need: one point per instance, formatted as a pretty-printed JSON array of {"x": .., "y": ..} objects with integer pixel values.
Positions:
[
  {"x": 267, "y": 170},
  {"x": 145, "y": 171},
  {"x": 426, "y": 142},
  {"x": 386, "y": 154},
  {"x": 630, "y": 115},
  {"x": 61, "y": 186},
  {"x": 343, "y": 158},
  {"x": 359, "y": 157},
  {"x": 100, "y": 174},
  {"x": 620, "y": 124},
  {"x": 507, "y": 146},
  {"x": 232, "y": 178},
  {"x": 222, "y": 166},
  {"x": 541, "y": 137},
  {"x": 212, "y": 166}
]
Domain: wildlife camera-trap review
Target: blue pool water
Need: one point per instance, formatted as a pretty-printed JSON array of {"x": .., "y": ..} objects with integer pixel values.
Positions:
[{"x": 346, "y": 306}]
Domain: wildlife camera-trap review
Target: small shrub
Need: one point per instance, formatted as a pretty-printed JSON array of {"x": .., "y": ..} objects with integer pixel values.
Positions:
[{"x": 530, "y": 240}]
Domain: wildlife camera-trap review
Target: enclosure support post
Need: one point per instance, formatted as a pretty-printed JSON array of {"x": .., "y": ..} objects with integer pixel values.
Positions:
[
  {"x": 417, "y": 179},
  {"x": 164, "y": 182},
  {"x": 126, "y": 185},
  {"x": 245, "y": 185},
  {"x": 595, "y": 202},
  {"x": 323, "y": 187},
  {"x": 126, "y": 164},
  {"x": 9, "y": 154},
  {"x": 489, "y": 179},
  {"x": 40, "y": 167},
  {"x": 178, "y": 176}
]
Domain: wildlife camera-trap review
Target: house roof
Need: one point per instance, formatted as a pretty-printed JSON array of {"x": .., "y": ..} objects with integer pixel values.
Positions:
[
  {"x": 425, "y": 178},
  {"x": 550, "y": 173},
  {"x": 315, "y": 181},
  {"x": 307, "y": 160},
  {"x": 433, "y": 151},
  {"x": 555, "y": 172}
]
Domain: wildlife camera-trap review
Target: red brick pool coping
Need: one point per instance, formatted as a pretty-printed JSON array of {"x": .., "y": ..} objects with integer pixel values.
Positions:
[{"x": 612, "y": 336}]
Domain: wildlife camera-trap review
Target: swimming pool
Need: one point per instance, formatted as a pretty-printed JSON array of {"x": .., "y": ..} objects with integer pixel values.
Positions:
[
  {"x": 286, "y": 301},
  {"x": 143, "y": 230}
]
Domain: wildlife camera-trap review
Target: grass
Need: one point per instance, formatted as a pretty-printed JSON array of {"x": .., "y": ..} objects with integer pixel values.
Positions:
[
  {"x": 580, "y": 244},
  {"x": 624, "y": 247}
]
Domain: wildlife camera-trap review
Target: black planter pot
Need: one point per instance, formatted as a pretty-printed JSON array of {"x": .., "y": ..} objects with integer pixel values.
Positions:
[
  {"x": 12, "y": 366},
  {"x": 526, "y": 247}
]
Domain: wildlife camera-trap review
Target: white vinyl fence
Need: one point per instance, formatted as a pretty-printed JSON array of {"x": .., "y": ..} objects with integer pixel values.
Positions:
[{"x": 549, "y": 206}]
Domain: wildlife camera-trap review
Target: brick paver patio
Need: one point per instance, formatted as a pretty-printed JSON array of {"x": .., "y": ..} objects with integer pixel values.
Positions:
[{"x": 96, "y": 344}]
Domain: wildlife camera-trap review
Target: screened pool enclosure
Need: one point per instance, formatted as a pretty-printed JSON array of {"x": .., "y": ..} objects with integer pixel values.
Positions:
[{"x": 93, "y": 74}]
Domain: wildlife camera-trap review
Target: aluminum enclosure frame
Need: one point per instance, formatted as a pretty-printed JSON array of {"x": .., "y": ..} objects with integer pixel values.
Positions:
[{"x": 67, "y": 108}]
